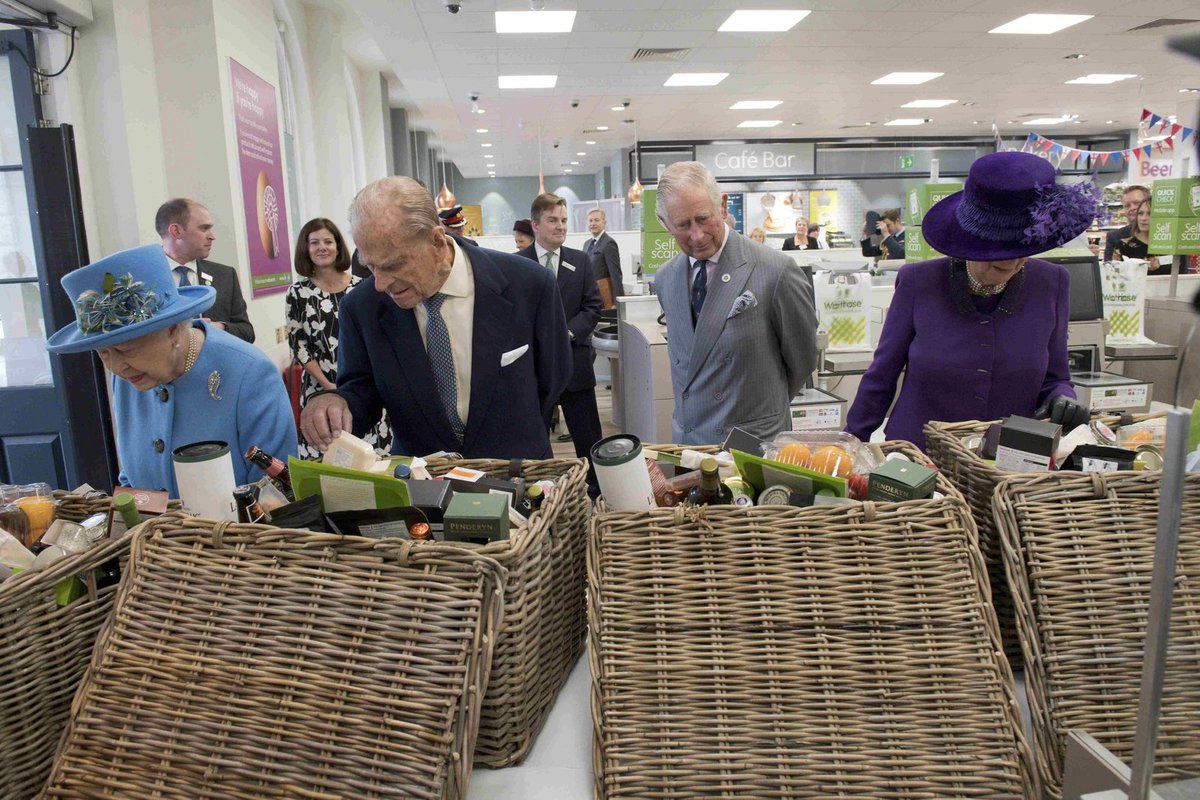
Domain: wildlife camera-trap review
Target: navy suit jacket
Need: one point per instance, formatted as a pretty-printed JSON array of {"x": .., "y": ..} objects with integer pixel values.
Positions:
[
  {"x": 581, "y": 305},
  {"x": 230, "y": 307},
  {"x": 382, "y": 363}
]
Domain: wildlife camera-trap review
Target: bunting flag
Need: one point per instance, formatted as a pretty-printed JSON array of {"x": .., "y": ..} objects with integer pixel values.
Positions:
[{"x": 1036, "y": 143}]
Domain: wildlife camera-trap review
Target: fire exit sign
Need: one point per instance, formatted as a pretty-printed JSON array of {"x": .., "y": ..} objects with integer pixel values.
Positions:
[{"x": 906, "y": 162}]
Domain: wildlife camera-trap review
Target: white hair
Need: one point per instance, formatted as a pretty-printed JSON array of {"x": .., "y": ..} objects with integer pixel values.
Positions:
[
  {"x": 682, "y": 175},
  {"x": 397, "y": 204}
]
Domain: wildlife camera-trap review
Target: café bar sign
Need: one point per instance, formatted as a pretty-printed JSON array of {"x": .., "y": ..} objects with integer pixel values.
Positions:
[{"x": 757, "y": 159}]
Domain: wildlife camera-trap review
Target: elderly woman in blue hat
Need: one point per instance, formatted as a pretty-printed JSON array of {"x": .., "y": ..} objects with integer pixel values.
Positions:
[
  {"x": 982, "y": 334},
  {"x": 176, "y": 379}
]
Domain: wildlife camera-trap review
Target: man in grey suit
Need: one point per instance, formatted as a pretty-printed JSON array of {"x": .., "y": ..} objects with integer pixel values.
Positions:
[
  {"x": 186, "y": 229},
  {"x": 741, "y": 323},
  {"x": 606, "y": 259}
]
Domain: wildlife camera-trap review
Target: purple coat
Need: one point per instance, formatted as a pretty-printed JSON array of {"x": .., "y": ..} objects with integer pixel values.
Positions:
[{"x": 960, "y": 363}]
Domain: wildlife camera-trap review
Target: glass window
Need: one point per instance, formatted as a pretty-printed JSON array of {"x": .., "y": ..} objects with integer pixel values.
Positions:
[
  {"x": 16, "y": 237},
  {"x": 23, "y": 357},
  {"x": 10, "y": 140}
]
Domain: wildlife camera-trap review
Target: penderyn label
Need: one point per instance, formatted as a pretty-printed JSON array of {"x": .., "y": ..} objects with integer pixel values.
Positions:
[{"x": 1019, "y": 461}]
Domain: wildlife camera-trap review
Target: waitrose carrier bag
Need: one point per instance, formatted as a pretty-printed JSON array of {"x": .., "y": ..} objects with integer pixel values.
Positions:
[
  {"x": 844, "y": 309},
  {"x": 1124, "y": 286}
]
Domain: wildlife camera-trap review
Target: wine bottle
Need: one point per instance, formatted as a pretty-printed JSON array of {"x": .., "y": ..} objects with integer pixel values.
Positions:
[
  {"x": 276, "y": 470},
  {"x": 710, "y": 491}
]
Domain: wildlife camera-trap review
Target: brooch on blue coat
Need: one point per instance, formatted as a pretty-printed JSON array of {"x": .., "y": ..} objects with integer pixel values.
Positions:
[{"x": 214, "y": 383}]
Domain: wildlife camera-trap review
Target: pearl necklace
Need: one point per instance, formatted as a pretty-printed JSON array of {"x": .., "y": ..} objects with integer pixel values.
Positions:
[
  {"x": 983, "y": 289},
  {"x": 193, "y": 351}
]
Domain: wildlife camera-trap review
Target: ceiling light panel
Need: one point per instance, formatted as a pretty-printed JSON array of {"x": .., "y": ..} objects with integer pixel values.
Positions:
[
  {"x": 906, "y": 78},
  {"x": 527, "y": 81},
  {"x": 760, "y": 123},
  {"x": 929, "y": 104},
  {"x": 763, "y": 21},
  {"x": 693, "y": 79},
  {"x": 1101, "y": 78},
  {"x": 1041, "y": 23},
  {"x": 754, "y": 105},
  {"x": 906, "y": 121},
  {"x": 535, "y": 21}
]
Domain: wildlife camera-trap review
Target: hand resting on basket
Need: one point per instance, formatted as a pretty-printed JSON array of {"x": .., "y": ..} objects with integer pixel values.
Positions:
[{"x": 1064, "y": 411}]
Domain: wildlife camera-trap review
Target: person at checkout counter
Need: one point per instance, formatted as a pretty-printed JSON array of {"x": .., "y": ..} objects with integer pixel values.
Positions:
[
  {"x": 176, "y": 380},
  {"x": 982, "y": 334}
]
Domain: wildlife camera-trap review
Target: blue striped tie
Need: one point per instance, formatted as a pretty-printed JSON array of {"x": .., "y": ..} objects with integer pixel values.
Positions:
[
  {"x": 441, "y": 358},
  {"x": 699, "y": 290}
]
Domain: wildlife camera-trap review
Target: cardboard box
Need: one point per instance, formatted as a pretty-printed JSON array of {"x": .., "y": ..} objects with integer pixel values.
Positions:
[
  {"x": 432, "y": 497},
  {"x": 513, "y": 490},
  {"x": 898, "y": 480},
  {"x": 1176, "y": 197},
  {"x": 1027, "y": 445},
  {"x": 476, "y": 517},
  {"x": 925, "y": 196}
]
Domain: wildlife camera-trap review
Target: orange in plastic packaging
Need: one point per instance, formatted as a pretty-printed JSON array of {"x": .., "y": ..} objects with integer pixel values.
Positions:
[
  {"x": 831, "y": 460},
  {"x": 793, "y": 453},
  {"x": 40, "y": 510}
]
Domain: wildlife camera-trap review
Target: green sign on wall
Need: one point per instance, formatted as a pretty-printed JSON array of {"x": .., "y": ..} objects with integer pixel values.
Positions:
[
  {"x": 906, "y": 162},
  {"x": 658, "y": 246}
]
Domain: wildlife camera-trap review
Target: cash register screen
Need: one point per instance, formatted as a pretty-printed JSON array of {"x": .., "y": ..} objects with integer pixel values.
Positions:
[{"x": 1087, "y": 297}]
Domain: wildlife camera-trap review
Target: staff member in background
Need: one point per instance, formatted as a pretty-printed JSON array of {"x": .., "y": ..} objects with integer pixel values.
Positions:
[
  {"x": 186, "y": 230},
  {"x": 892, "y": 246},
  {"x": 572, "y": 272},
  {"x": 522, "y": 234},
  {"x": 741, "y": 325},
  {"x": 817, "y": 235},
  {"x": 801, "y": 241},
  {"x": 982, "y": 334},
  {"x": 454, "y": 222},
  {"x": 758, "y": 235},
  {"x": 606, "y": 259},
  {"x": 1133, "y": 196},
  {"x": 466, "y": 348},
  {"x": 871, "y": 238},
  {"x": 312, "y": 316},
  {"x": 1137, "y": 244},
  {"x": 176, "y": 380}
]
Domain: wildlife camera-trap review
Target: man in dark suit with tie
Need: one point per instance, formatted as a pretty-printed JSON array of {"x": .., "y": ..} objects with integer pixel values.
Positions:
[
  {"x": 572, "y": 271},
  {"x": 186, "y": 229},
  {"x": 606, "y": 259},
  {"x": 465, "y": 347}
]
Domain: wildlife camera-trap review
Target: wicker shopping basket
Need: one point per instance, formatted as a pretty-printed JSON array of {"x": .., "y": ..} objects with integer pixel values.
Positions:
[
  {"x": 243, "y": 661},
  {"x": 1079, "y": 551},
  {"x": 977, "y": 480},
  {"x": 78, "y": 507},
  {"x": 835, "y": 651},
  {"x": 545, "y": 615},
  {"x": 44, "y": 649}
]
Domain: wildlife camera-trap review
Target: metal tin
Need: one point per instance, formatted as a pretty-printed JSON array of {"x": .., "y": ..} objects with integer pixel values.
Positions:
[
  {"x": 777, "y": 495},
  {"x": 743, "y": 492},
  {"x": 1104, "y": 434},
  {"x": 1148, "y": 457}
]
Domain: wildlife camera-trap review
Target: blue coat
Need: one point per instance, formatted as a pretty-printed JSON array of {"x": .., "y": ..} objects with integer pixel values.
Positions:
[
  {"x": 253, "y": 410},
  {"x": 382, "y": 363},
  {"x": 581, "y": 307}
]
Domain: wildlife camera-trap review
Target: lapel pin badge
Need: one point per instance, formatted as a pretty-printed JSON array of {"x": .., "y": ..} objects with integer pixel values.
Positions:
[{"x": 725, "y": 278}]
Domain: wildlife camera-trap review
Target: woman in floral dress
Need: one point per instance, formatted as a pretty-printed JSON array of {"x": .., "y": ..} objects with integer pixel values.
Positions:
[{"x": 323, "y": 262}]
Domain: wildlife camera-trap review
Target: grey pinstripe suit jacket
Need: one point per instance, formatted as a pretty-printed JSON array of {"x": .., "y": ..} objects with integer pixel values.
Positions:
[{"x": 738, "y": 369}]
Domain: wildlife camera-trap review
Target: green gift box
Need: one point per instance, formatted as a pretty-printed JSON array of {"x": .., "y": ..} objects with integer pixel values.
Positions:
[
  {"x": 923, "y": 197},
  {"x": 1176, "y": 197},
  {"x": 1174, "y": 235},
  {"x": 472, "y": 516},
  {"x": 899, "y": 480}
]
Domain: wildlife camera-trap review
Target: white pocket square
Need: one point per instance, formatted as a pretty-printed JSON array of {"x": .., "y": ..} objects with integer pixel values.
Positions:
[
  {"x": 745, "y": 301},
  {"x": 513, "y": 355}
]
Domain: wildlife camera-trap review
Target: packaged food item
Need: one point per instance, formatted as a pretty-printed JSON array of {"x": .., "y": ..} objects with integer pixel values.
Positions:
[
  {"x": 37, "y": 501},
  {"x": 897, "y": 481},
  {"x": 794, "y": 453},
  {"x": 834, "y": 453},
  {"x": 1150, "y": 431},
  {"x": 1027, "y": 445},
  {"x": 832, "y": 460},
  {"x": 14, "y": 554},
  {"x": 349, "y": 451}
]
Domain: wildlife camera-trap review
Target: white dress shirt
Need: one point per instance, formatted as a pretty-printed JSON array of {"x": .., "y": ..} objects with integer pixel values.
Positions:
[
  {"x": 190, "y": 266},
  {"x": 712, "y": 262},
  {"x": 541, "y": 256},
  {"x": 458, "y": 310}
]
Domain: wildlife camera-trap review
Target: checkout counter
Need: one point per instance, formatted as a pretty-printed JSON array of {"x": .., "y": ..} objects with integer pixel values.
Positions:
[{"x": 1109, "y": 377}]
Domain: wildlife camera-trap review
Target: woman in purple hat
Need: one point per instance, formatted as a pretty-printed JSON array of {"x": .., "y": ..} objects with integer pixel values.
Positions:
[{"x": 982, "y": 334}]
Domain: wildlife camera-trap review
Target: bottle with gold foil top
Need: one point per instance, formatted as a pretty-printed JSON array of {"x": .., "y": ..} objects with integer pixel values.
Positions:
[
  {"x": 710, "y": 491},
  {"x": 420, "y": 532},
  {"x": 276, "y": 470}
]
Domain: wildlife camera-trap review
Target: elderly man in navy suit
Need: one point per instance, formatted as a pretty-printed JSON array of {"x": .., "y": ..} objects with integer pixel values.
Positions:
[
  {"x": 572, "y": 270},
  {"x": 466, "y": 348}
]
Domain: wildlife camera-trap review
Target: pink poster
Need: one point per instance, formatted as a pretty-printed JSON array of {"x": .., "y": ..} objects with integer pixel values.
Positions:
[{"x": 260, "y": 155}]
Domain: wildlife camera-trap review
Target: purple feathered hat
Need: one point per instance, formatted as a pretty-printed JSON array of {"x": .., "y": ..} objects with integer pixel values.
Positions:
[{"x": 1010, "y": 208}]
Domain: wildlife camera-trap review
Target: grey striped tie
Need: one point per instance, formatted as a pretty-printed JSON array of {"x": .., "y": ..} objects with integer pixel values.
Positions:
[{"x": 441, "y": 358}]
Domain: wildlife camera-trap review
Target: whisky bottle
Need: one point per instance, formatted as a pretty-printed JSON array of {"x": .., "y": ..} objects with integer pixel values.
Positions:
[{"x": 710, "y": 491}]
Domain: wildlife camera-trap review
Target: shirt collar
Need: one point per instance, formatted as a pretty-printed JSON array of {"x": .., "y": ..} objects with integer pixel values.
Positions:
[
  {"x": 191, "y": 265},
  {"x": 717, "y": 255},
  {"x": 541, "y": 251},
  {"x": 458, "y": 282}
]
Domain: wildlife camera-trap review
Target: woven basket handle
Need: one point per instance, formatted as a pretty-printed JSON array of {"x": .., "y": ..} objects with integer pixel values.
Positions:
[{"x": 218, "y": 532}]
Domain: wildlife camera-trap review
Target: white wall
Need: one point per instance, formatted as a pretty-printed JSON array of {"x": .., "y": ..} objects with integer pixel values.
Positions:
[{"x": 153, "y": 122}]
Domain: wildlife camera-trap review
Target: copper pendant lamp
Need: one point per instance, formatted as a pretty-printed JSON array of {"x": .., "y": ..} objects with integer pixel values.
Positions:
[{"x": 634, "y": 195}]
